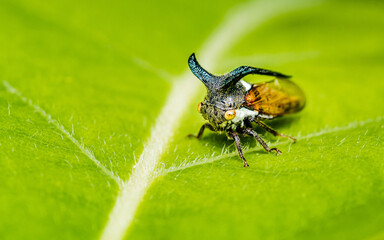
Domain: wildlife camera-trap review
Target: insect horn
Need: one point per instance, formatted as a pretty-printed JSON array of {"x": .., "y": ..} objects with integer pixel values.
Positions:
[
  {"x": 240, "y": 72},
  {"x": 207, "y": 78}
]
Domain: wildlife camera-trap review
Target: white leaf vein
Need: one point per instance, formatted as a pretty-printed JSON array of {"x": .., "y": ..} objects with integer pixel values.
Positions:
[
  {"x": 205, "y": 160},
  {"x": 86, "y": 151},
  {"x": 240, "y": 21}
]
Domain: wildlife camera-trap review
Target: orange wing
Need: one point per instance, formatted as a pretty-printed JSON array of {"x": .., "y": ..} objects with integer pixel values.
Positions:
[{"x": 275, "y": 98}]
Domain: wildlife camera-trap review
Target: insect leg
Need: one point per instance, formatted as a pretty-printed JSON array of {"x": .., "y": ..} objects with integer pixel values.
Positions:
[
  {"x": 207, "y": 125},
  {"x": 251, "y": 132},
  {"x": 248, "y": 122},
  {"x": 273, "y": 131},
  {"x": 238, "y": 146}
]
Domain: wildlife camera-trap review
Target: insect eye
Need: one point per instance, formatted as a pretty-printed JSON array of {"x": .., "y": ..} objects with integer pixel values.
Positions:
[
  {"x": 230, "y": 114},
  {"x": 199, "y": 107}
]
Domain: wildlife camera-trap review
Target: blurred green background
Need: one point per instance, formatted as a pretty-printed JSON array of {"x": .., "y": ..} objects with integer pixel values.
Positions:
[{"x": 104, "y": 69}]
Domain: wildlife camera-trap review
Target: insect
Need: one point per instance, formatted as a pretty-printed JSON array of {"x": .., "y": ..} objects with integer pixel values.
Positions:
[{"x": 232, "y": 104}]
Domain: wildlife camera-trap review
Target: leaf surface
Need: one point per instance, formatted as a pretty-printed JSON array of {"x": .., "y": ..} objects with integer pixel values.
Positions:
[{"x": 85, "y": 84}]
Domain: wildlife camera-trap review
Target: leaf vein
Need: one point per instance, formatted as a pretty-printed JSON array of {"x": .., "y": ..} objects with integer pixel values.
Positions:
[
  {"x": 86, "y": 151},
  {"x": 201, "y": 161},
  {"x": 235, "y": 26}
]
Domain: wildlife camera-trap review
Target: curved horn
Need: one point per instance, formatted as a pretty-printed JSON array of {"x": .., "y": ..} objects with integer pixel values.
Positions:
[
  {"x": 240, "y": 72},
  {"x": 202, "y": 74}
]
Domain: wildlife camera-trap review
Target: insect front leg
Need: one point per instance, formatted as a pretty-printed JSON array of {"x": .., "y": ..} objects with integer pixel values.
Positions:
[
  {"x": 238, "y": 146},
  {"x": 273, "y": 131},
  {"x": 207, "y": 125},
  {"x": 251, "y": 132}
]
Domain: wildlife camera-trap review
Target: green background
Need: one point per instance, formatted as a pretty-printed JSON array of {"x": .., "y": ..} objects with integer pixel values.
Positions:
[{"x": 104, "y": 70}]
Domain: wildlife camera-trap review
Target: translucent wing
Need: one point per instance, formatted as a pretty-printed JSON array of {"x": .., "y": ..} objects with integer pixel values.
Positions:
[{"x": 275, "y": 98}]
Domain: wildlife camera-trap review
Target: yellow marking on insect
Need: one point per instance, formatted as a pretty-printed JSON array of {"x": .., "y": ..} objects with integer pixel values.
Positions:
[
  {"x": 230, "y": 114},
  {"x": 199, "y": 107}
]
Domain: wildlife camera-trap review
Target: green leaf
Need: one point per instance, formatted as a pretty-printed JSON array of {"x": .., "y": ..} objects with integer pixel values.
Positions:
[{"x": 96, "y": 102}]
